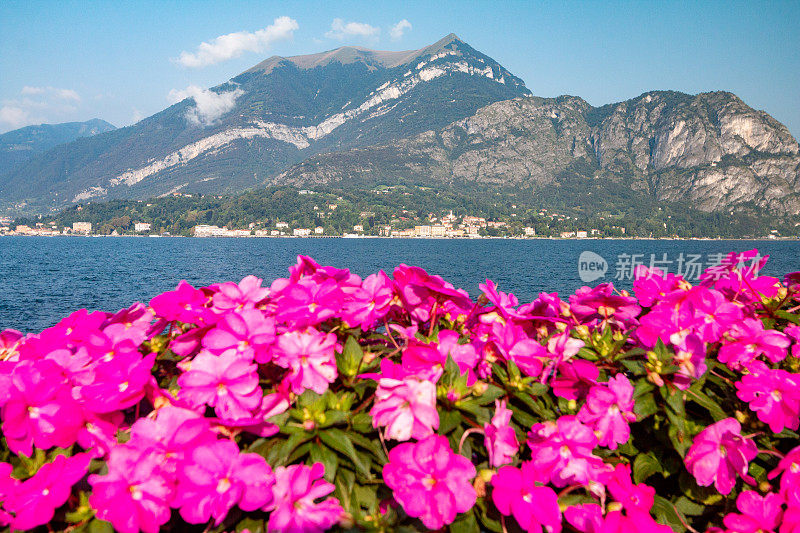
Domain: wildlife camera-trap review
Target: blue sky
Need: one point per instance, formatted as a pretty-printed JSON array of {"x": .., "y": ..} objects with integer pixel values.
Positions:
[{"x": 120, "y": 60}]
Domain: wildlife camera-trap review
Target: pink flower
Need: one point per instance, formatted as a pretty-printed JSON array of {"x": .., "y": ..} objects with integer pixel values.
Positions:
[
  {"x": 514, "y": 344},
  {"x": 217, "y": 477},
  {"x": 609, "y": 409},
  {"x": 185, "y": 304},
  {"x": 404, "y": 404},
  {"x": 423, "y": 295},
  {"x": 296, "y": 489},
  {"x": 308, "y": 302},
  {"x": 131, "y": 324},
  {"x": 245, "y": 295},
  {"x": 750, "y": 340},
  {"x": 430, "y": 481},
  {"x": 516, "y": 492},
  {"x": 600, "y": 303},
  {"x": 248, "y": 333},
  {"x": 8, "y": 486},
  {"x": 501, "y": 440},
  {"x": 134, "y": 495},
  {"x": 226, "y": 382},
  {"x": 719, "y": 453},
  {"x": 309, "y": 356},
  {"x": 34, "y": 501},
  {"x": 789, "y": 467},
  {"x": 369, "y": 303},
  {"x": 632, "y": 497},
  {"x": 588, "y": 518},
  {"x": 759, "y": 514},
  {"x": 575, "y": 379},
  {"x": 118, "y": 383},
  {"x": 563, "y": 449},
  {"x": 774, "y": 395},
  {"x": 792, "y": 331},
  {"x": 40, "y": 410}
]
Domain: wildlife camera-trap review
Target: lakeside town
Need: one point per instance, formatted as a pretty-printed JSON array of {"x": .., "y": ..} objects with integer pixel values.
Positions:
[{"x": 447, "y": 226}]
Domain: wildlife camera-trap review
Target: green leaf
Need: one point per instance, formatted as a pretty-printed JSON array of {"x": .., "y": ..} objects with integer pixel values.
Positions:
[
  {"x": 688, "y": 507},
  {"x": 345, "y": 480},
  {"x": 492, "y": 393},
  {"x": 326, "y": 456},
  {"x": 704, "y": 400},
  {"x": 644, "y": 466},
  {"x": 645, "y": 406},
  {"x": 666, "y": 514},
  {"x": 339, "y": 441},
  {"x": 448, "y": 421},
  {"x": 350, "y": 359},
  {"x": 465, "y": 523},
  {"x": 251, "y": 524}
]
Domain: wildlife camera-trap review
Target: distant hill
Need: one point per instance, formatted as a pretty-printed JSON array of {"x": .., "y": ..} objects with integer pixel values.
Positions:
[
  {"x": 17, "y": 146},
  {"x": 444, "y": 115},
  {"x": 285, "y": 110}
]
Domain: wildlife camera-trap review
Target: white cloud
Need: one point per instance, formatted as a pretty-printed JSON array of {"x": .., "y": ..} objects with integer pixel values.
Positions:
[
  {"x": 14, "y": 116},
  {"x": 208, "y": 105},
  {"x": 37, "y": 105},
  {"x": 55, "y": 92},
  {"x": 137, "y": 116},
  {"x": 340, "y": 30},
  {"x": 233, "y": 45},
  {"x": 396, "y": 32}
]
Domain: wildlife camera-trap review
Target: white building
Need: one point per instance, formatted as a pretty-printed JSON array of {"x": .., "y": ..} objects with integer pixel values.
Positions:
[
  {"x": 581, "y": 234},
  {"x": 530, "y": 232},
  {"x": 358, "y": 227},
  {"x": 280, "y": 225},
  {"x": 319, "y": 230},
  {"x": 302, "y": 232},
  {"x": 141, "y": 226},
  {"x": 82, "y": 227}
]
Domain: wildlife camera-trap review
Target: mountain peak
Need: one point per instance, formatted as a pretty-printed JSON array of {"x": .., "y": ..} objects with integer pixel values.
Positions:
[{"x": 355, "y": 54}]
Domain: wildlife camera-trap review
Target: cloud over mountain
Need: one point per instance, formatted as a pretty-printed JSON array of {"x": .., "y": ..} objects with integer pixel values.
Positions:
[
  {"x": 208, "y": 105},
  {"x": 396, "y": 32},
  {"x": 340, "y": 30},
  {"x": 233, "y": 45}
]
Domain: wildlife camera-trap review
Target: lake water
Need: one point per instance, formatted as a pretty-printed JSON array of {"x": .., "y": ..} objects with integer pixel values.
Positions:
[{"x": 44, "y": 278}]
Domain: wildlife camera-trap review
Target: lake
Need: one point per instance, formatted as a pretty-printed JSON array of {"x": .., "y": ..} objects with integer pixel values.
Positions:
[{"x": 44, "y": 278}]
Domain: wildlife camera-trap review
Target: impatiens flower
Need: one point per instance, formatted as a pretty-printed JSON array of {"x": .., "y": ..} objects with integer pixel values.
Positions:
[
  {"x": 295, "y": 507},
  {"x": 789, "y": 470},
  {"x": 117, "y": 384},
  {"x": 34, "y": 501},
  {"x": 40, "y": 409},
  {"x": 7, "y": 487},
  {"x": 135, "y": 494},
  {"x": 600, "y": 303},
  {"x": 589, "y": 518},
  {"x": 563, "y": 449},
  {"x": 574, "y": 379},
  {"x": 430, "y": 481},
  {"x": 217, "y": 477},
  {"x": 369, "y": 303},
  {"x": 759, "y": 514},
  {"x": 608, "y": 410},
  {"x": 404, "y": 404},
  {"x": 245, "y": 295},
  {"x": 719, "y": 453},
  {"x": 519, "y": 492},
  {"x": 632, "y": 497},
  {"x": 248, "y": 333},
  {"x": 774, "y": 395},
  {"x": 748, "y": 340},
  {"x": 185, "y": 304},
  {"x": 308, "y": 302},
  {"x": 226, "y": 382},
  {"x": 310, "y": 357},
  {"x": 501, "y": 440}
]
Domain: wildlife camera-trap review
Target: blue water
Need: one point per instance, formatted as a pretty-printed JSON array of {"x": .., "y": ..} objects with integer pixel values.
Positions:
[{"x": 44, "y": 278}]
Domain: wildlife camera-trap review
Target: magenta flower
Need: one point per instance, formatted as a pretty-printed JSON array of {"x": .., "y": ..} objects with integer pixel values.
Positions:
[
  {"x": 430, "y": 481},
  {"x": 226, "y": 382},
  {"x": 750, "y": 340},
  {"x": 719, "y": 453},
  {"x": 246, "y": 295},
  {"x": 310, "y": 357},
  {"x": 132, "y": 324},
  {"x": 134, "y": 495},
  {"x": 218, "y": 477},
  {"x": 563, "y": 449},
  {"x": 632, "y": 497},
  {"x": 574, "y": 379},
  {"x": 40, "y": 409},
  {"x": 10, "y": 339},
  {"x": 608, "y": 410},
  {"x": 185, "y": 304},
  {"x": 789, "y": 470},
  {"x": 600, "y": 303},
  {"x": 759, "y": 514},
  {"x": 423, "y": 295},
  {"x": 308, "y": 302},
  {"x": 369, "y": 303},
  {"x": 118, "y": 383},
  {"x": 651, "y": 285},
  {"x": 404, "y": 404},
  {"x": 517, "y": 493},
  {"x": 8, "y": 486},
  {"x": 514, "y": 344},
  {"x": 295, "y": 508},
  {"x": 501, "y": 440},
  {"x": 34, "y": 501},
  {"x": 248, "y": 333},
  {"x": 774, "y": 395}
]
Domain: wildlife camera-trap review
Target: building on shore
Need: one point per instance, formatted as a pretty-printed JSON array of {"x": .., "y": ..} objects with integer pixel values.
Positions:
[
  {"x": 82, "y": 227},
  {"x": 139, "y": 227},
  {"x": 301, "y": 232}
]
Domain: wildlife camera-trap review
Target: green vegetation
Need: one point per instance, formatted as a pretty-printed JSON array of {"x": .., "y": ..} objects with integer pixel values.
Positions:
[{"x": 574, "y": 203}]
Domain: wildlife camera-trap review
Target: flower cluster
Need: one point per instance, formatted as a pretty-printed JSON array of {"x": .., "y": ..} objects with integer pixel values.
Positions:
[{"x": 326, "y": 400}]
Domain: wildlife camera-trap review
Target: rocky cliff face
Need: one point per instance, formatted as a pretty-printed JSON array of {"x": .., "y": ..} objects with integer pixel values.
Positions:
[{"x": 710, "y": 149}]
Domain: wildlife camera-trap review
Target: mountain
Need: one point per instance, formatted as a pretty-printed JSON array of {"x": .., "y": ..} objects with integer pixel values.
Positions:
[
  {"x": 280, "y": 112},
  {"x": 710, "y": 149},
  {"x": 444, "y": 114},
  {"x": 17, "y": 146}
]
